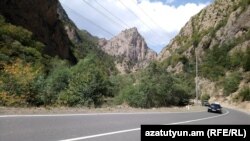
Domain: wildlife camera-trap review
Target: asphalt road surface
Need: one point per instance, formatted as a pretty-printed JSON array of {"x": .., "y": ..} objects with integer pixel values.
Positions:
[{"x": 102, "y": 127}]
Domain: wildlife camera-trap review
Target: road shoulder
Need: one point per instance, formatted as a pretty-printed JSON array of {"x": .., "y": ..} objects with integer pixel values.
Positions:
[{"x": 116, "y": 109}]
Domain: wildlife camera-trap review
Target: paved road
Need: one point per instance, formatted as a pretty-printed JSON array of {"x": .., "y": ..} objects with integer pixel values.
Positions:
[{"x": 103, "y": 127}]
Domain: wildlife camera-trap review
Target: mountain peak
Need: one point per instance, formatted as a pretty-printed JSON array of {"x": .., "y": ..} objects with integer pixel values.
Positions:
[
  {"x": 130, "y": 48},
  {"x": 130, "y": 35},
  {"x": 131, "y": 30}
]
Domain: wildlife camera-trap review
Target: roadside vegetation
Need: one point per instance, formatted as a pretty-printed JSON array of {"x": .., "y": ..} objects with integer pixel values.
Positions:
[
  {"x": 31, "y": 78},
  {"x": 154, "y": 87}
]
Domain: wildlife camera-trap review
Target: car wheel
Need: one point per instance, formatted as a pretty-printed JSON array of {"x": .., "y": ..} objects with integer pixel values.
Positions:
[{"x": 208, "y": 110}]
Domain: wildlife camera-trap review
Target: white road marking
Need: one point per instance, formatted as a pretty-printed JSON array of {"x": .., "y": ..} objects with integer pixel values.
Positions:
[
  {"x": 136, "y": 129},
  {"x": 198, "y": 119},
  {"x": 99, "y": 135}
]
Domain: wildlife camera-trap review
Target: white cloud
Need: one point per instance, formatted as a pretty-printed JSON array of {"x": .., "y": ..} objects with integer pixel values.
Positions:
[{"x": 164, "y": 23}]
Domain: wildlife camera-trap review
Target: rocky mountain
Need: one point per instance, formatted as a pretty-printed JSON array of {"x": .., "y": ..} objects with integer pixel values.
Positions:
[
  {"x": 130, "y": 50},
  {"x": 50, "y": 24},
  {"x": 219, "y": 36},
  {"x": 71, "y": 29},
  {"x": 46, "y": 20}
]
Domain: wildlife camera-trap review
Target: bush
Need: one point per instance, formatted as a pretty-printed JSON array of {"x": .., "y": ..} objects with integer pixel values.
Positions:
[
  {"x": 236, "y": 59},
  {"x": 212, "y": 72},
  {"x": 246, "y": 60},
  {"x": 56, "y": 82},
  {"x": 4, "y": 57},
  {"x": 17, "y": 33},
  {"x": 85, "y": 90},
  {"x": 231, "y": 83},
  {"x": 244, "y": 94},
  {"x": 155, "y": 87},
  {"x": 89, "y": 84},
  {"x": 35, "y": 94},
  {"x": 7, "y": 99},
  {"x": 133, "y": 96},
  {"x": 244, "y": 4},
  {"x": 205, "y": 97},
  {"x": 217, "y": 61},
  {"x": 180, "y": 95},
  {"x": 35, "y": 79},
  {"x": 174, "y": 59}
]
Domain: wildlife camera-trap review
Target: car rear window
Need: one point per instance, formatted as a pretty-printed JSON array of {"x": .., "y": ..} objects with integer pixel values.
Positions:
[{"x": 215, "y": 105}]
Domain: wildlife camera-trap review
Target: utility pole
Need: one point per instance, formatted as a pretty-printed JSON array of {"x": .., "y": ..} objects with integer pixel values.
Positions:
[{"x": 196, "y": 78}]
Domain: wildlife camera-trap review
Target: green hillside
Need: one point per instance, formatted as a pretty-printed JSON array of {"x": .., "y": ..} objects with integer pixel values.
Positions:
[
  {"x": 31, "y": 78},
  {"x": 220, "y": 38}
]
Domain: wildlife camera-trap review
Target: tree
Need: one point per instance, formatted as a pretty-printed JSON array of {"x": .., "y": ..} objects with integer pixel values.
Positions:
[
  {"x": 88, "y": 86},
  {"x": 231, "y": 83}
]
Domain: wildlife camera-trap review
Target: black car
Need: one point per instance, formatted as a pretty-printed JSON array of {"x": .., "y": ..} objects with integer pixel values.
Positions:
[
  {"x": 214, "y": 107},
  {"x": 205, "y": 103}
]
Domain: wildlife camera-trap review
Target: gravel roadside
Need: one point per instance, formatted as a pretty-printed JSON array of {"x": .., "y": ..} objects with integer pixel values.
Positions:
[{"x": 116, "y": 109}]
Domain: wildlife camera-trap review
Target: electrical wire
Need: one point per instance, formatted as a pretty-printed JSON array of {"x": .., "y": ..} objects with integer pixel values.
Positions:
[
  {"x": 151, "y": 19},
  {"x": 112, "y": 14},
  {"x": 100, "y": 12},
  {"x": 88, "y": 20},
  {"x": 152, "y": 43},
  {"x": 133, "y": 13}
]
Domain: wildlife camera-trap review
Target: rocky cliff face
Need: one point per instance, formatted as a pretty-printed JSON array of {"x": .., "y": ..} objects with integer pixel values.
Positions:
[
  {"x": 69, "y": 26},
  {"x": 218, "y": 35},
  {"x": 130, "y": 50},
  {"x": 218, "y": 23},
  {"x": 42, "y": 17}
]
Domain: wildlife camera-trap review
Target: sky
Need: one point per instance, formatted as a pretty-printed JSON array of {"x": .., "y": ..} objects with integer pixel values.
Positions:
[{"x": 158, "y": 21}]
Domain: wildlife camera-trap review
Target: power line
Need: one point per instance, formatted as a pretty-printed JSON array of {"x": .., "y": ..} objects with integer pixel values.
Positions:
[
  {"x": 132, "y": 12},
  {"x": 122, "y": 20},
  {"x": 111, "y": 13},
  {"x": 125, "y": 22},
  {"x": 100, "y": 12},
  {"x": 152, "y": 43},
  {"x": 145, "y": 13},
  {"x": 89, "y": 20}
]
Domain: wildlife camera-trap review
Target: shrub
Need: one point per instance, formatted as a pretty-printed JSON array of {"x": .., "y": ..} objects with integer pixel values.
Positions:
[
  {"x": 236, "y": 59},
  {"x": 39, "y": 80},
  {"x": 4, "y": 57},
  {"x": 180, "y": 94},
  {"x": 56, "y": 82},
  {"x": 85, "y": 90},
  {"x": 244, "y": 4},
  {"x": 155, "y": 87},
  {"x": 217, "y": 60},
  {"x": 205, "y": 97},
  {"x": 17, "y": 33},
  {"x": 7, "y": 99},
  {"x": 231, "y": 83},
  {"x": 88, "y": 85},
  {"x": 174, "y": 59},
  {"x": 246, "y": 60},
  {"x": 212, "y": 72},
  {"x": 244, "y": 94},
  {"x": 2, "y": 20}
]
